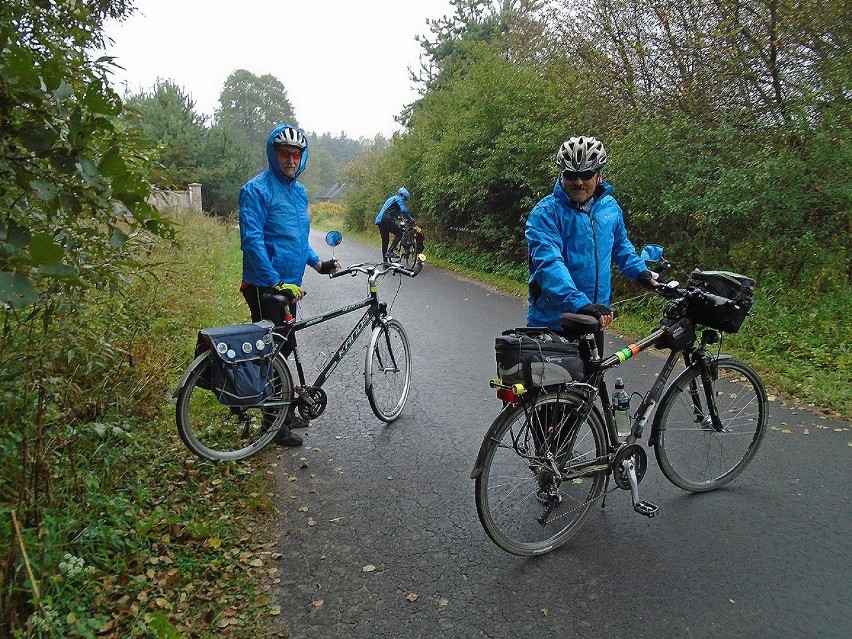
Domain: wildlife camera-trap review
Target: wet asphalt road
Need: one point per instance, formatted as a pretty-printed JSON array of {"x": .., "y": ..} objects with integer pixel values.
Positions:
[{"x": 380, "y": 537}]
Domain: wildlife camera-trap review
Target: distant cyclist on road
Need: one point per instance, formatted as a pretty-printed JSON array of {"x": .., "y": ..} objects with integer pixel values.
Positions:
[{"x": 389, "y": 220}]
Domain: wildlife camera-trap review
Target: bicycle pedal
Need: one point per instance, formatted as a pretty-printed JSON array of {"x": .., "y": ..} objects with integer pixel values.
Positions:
[{"x": 646, "y": 508}]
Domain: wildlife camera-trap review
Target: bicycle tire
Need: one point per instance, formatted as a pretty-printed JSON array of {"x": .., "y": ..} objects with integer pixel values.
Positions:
[
  {"x": 217, "y": 432},
  {"x": 408, "y": 257},
  {"x": 387, "y": 370},
  {"x": 690, "y": 452},
  {"x": 514, "y": 473}
]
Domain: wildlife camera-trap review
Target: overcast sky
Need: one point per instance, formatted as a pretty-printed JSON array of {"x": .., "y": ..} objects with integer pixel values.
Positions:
[{"x": 344, "y": 63}]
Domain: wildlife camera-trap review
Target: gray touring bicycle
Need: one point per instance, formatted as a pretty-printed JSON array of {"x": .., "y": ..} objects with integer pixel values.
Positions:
[{"x": 553, "y": 451}]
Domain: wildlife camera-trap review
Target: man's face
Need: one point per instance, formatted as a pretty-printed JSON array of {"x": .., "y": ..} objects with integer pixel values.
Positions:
[
  {"x": 580, "y": 186},
  {"x": 289, "y": 158}
]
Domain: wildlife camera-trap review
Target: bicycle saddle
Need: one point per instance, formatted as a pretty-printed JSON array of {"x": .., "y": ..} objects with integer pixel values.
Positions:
[{"x": 575, "y": 325}]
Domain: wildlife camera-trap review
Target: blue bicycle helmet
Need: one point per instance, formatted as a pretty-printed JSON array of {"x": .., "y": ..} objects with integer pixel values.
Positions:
[{"x": 404, "y": 193}]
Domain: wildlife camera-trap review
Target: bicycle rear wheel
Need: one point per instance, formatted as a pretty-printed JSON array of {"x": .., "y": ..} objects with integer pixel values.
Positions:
[
  {"x": 217, "y": 432},
  {"x": 387, "y": 370},
  {"x": 539, "y": 473},
  {"x": 690, "y": 452}
]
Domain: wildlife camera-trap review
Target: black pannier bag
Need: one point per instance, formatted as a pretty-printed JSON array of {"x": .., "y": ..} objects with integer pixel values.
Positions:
[
  {"x": 726, "y": 314},
  {"x": 241, "y": 369},
  {"x": 537, "y": 357}
]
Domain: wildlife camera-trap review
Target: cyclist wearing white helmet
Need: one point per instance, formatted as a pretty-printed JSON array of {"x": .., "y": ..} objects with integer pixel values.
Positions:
[
  {"x": 574, "y": 236},
  {"x": 389, "y": 218},
  {"x": 274, "y": 229}
]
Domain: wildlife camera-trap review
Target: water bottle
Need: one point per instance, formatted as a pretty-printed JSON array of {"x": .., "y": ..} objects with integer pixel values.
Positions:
[{"x": 621, "y": 406}]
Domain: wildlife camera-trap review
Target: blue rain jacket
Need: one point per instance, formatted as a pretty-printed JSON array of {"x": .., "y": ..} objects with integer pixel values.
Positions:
[
  {"x": 274, "y": 224},
  {"x": 400, "y": 202},
  {"x": 571, "y": 254}
]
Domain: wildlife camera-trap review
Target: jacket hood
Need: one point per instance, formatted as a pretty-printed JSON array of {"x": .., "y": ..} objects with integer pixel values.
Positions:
[{"x": 272, "y": 156}]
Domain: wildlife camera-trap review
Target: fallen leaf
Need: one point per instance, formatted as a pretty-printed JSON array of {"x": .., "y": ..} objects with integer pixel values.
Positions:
[
  {"x": 317, "y": 603},
  {"x": 368, "y": 568},
  {"x": 257, "y": 563},
  {"x": 731, "y": 600},
  {"x": 312, "y": 521},
  {"x": 412, "y": 597},
  {"x": 545, "y": 612},
  {"x": 275, "y": 609},
  {"x": 443, "y": 602},
  {"x": 303, "y": 509}
]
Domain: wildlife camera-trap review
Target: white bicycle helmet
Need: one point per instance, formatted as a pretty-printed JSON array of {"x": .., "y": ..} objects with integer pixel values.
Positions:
[
  {"x": 290, "y": 137},
  {"x": 581, "y": 154}
]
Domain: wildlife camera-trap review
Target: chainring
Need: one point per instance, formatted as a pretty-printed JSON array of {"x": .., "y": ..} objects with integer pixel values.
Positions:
[
  {"x": 640, "y": 461},
  {"x": 319, "y": 400}
]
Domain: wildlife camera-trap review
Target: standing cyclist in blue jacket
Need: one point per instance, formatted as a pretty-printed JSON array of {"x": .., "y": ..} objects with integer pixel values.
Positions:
[
  {"x": 389, "y": 218},
  {"x": 274, "y": 228},
  {"x": 574, "y": 236}
]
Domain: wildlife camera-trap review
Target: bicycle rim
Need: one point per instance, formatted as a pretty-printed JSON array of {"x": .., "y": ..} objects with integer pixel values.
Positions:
[
  {"x": 519, "y": 479},
  {"x": 691, "y": 453},
  {"x": 387, "y": 371},
  {"x": 217, "y": 432}
]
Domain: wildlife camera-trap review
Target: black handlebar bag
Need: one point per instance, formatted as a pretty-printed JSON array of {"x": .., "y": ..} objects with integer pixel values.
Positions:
[
  {"x": 726, "y": 314},
  {"x": 241, "y": 369}
]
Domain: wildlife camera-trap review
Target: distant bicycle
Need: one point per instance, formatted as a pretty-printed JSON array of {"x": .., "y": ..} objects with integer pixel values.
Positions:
[
  {"x": 214, "y": 426},
  {"x": 552, "y": 451},
  {"x": 411, "y": 245}
]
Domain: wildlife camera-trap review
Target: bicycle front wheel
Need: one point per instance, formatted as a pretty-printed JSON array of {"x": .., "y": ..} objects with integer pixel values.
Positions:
[
  {"x": 217, "y": 432},
  {"x": 387, "y": 370},
  {"x": 539, "y": 473},
  {"x": 691, "y": 453}
]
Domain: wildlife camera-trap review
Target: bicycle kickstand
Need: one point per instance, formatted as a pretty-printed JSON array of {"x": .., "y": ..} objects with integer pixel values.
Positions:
[{"x": 642, "y": 507}]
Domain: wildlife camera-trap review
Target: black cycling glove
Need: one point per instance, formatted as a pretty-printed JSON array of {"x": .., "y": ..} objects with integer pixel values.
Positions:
[
  {"x": 327, "y": 267},
  {"x": 644, "y": 280},
  {"x": 595, "y": 310}
]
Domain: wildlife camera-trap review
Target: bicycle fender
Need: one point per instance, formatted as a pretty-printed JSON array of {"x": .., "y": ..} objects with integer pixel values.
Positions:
[
  {"x": 479, "y": 465},
  {"x": 655, "y": 427},
  {"x": 186, "y": 373}
]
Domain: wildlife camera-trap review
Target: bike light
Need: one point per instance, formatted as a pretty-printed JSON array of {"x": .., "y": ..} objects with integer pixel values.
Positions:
[{"x": 510, "y": 394}]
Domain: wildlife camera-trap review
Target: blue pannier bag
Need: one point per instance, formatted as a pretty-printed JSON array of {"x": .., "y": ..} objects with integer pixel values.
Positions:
[{"x": 241, "y": 368}]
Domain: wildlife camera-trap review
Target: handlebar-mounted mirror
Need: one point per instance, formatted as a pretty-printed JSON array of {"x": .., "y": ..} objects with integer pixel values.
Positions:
[
  {"x": 652, "y": 253},
  {"x": 333, "y": 238}
]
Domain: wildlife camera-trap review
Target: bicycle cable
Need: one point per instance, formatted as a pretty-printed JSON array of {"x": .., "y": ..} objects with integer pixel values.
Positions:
[{"x": 393, "y": 301}]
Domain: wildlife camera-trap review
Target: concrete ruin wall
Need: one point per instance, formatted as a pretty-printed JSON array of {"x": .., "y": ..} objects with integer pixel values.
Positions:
[{"x": 189, "y": 200}]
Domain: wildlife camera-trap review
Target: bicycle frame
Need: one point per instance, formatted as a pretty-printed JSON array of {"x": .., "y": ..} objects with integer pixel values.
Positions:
[
  {"x": 652, "y": 397},
  {"x": 375, "y": 313}
]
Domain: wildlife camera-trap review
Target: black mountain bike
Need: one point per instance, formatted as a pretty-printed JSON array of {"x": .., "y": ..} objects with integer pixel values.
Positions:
[
  {"x": 551, "y": 453},
  {"x": 219, "y": 432}
]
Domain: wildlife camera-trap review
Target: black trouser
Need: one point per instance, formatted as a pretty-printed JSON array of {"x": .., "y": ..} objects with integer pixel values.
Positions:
[
  {"x": 262, "y": 309},
  {"x": 387, "y": 227},
  {"x": 271, "y": 310}
]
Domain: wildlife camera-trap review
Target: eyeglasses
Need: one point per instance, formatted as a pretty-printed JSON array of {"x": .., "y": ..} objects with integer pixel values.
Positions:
[
  {"x": 583, "y": 175},
  {"x": 287, "y": 153}
]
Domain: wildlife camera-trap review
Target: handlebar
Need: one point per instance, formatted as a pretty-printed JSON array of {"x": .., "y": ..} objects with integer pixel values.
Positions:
[
  {"x": 375, "y": 270},
  {"x": 673, "y": 291}
]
